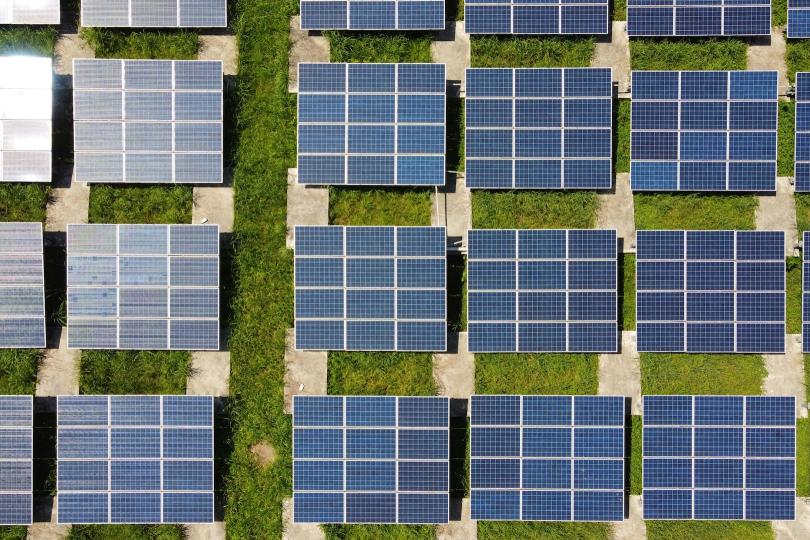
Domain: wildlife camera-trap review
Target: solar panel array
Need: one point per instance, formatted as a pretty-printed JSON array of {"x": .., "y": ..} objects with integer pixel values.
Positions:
[
  {"x": 22, "y": 286},
  {"x": 16, "y": 460},
  {"x": 371, "y": 124},
  {"x": 135, "y": 459},
  {"x": 536, "y": 17},
  {"x": 703, "y": 18},
  {"x": 798, "y": 19},
  {"x": 143, "y": 287},
  {"x": 25, "y": 118},
  {"x": 539, "y": 128},
  {"x": 370, "y": 288},
  {"x": 806, "y": 294},
  {"x": 542, "y": 291},
  {"x": 710, "y": 291},
  {"x": 29, "y": 12},
  {"x": 801, "y": 171},
  {"x": 370, "y": 459},
  {"x": 152, "y": 13},
  {"x": 547, "y": 458},
  {"x": 148, "y": 121},
  {"x": 379, "y": 15},
  {"x": 719, "y": 457},
  {"x": 703, "y": 131}
]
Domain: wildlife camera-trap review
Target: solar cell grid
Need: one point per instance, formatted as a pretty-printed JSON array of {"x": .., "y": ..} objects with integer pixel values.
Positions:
[
  {"x": 539, "y": 128},
  {"x": 542, "y": 291},
  {"x": 798, "y": 23},
  {"x": 547, "y": 458},
  {"x": 704, "y": 18},
  {"x": 135, "y": 459},
  {"x": 378, "y": 15},
  {"x": 703, "y": 131},
  {"x": 719, "y": 457},
  {"x": 16, "y": 460},
  {"x": 801, "y": 171},
  {"x": 805, "y": 293},
  {"x": 370, "y": 288},
  {"x": 154, "y": 13},
  {"x": 536, "y": 17},
  {"x": 22, "y": 286},
  {"x": 29, "y": 12},
  {"x": 371, "y": 124},
  {"x": 143, "y": 287},
  {"x": 148, "y": 121},
  {"x": 370, "y": 459},
  {"x": 710, "y": 291}
]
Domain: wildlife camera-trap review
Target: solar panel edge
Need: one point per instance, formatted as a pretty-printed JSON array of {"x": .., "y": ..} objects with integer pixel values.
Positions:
[
  {"x": 23, "y": 493},
  {"x": 107, "y": 24}
]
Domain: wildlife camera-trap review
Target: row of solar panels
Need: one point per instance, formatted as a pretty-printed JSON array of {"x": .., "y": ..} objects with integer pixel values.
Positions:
[
  {"x": 543, "y": 458},
  {"x": 120, "y": 459},
  {"x": 121, "y": 13}
]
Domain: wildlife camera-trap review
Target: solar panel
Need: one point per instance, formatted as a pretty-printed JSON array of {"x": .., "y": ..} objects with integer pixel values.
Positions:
[
  {"x": 547, "y": 458},
  {"x": 371, "y": 459},
  {"x": 154, "y": 13},
  {"x": 370, "y": 288},
  {"x": 143, "y": 287},
  {"x": 539, "y": 128},
  {"x": 801, "y": 171},
  {"x": 22, "y": 286},
  {"x": 379, "y": 15},
  {"x": 16, "y": 460},
  {"x": 710, "y": 291},
  {"x": 703, "y": 18},
  {"x": 135, "y": 459},
  {"x": 542, "y": 291},
  {"x": 371, "y": 124},
  {"x": 719, "y": 457},
  {"x": 798, "y": 19},
  {"x": 29, "y": 11},
  {"x": 25, "y": 119},
  {"x": 536, "y": 17},
  {"x": 148, "y": 121},
  {"x": 805, "y": 294},
  {"x": 703, "y": 131}
]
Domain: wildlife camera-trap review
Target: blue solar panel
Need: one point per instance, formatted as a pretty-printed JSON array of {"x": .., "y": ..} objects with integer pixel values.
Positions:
[
  {"x": 135, "y": 459},
  {"x": 370, "y": 288},
  {"x": 370, "y": 459},
  {"x": 801, "y": 171},
  {"x": 806, "y": 294},
  {"x": 378, "y": 15},
  {"x": 371, "y": 124},
  {"x": 539, "y": 128},
  {"x": 798, "y": 19},
  {"x": 536, "y": 17},
  {"x": 704, "y": 18},
  {"x": 16, "y": 460},
  {"x": 547, "y": 458},
  {"x": 719, "y": 457},
  {"x": 22, "y": 286},
  {"x": 542, "y": 291},
  {"x": 710, "y": 291},
  {"x": 703, "y": 131}
]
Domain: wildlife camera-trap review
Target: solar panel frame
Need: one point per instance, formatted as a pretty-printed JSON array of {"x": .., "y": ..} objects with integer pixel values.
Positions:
[
  {"x": 167, "y": 129},
  {"x": 16, "y": 492},
  {"x": 137, "y": 294},
  {"x": 685, "y": 18},
  {"x": 134, "y": 449},
  {"x": 536, "y": 96},
  {"x": 675, "y": 152},
  {"x": 21, "y": 253},
  {"x": 362, "y": 15},
  {"x": 356, "y": 420},
  {"x": 801, "y": 135},
  {"x": 806, "y": 293},
  {"x": 536, "y": 17},
  {"x": 670, "y": 270},
  {"x": 696, "y": 432},
  {"x": 386, "y": 155},
  {"x": 17, "y": 12},
  {"x": 148, "y": 14},
  {"x": 798, "y": 21}
]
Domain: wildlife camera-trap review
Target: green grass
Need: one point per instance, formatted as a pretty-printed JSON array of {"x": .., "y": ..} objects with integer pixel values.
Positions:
[
  {"x": 23, "y": 202},
  {"x": 13, "y": 533},
  {"x": 374, "y": 532},
  {"x": 797, "y": 57},
  {"x": 27, "y": 40},
  {"x": 802, "y": 212},
  {"x": 534, "y": 209},
  {"x": 379, "y": 47},
  {"x": 169, "y": 45},
  {"x": 622, "y": 142},
  {"x": 794, "y": 295},
  {"x": 803, "y": 457},
  {"x": 153, "y": 204},
  {"x": 18, "y": 370},
  {"x": 688, "y": 54},
  {"x": 636, "y": 477},
  {"x": 715, "y": 374},
  {"x": 126, "y": 532},
  {"x": 785, "y": 139},
  {"x": 134, "y": 372},
  {"x": 508, "y": 530},
  {"x": 372, "y": 206},
  {"x": 380, "y": 373},
  {"x": 547, "y": 374},
  {"x": 779, "y": 13},
  {"x": 499, "y": 51},
  {"x": 619, "y": 10},
  {"x": 709, "y": 530},
  {"x": 694, "y": 211},
  {"x": 628, "y": 297}
]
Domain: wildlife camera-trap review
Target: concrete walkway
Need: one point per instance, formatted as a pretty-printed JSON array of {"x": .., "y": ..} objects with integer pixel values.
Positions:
[
  {"x": 616, "y": 212},
  {"x": 452, "y": 48},
  {"x": 768, "y": 54},
  {"x": 210, "y": 374},
  {"x": 620, "y": 374},
  {"x": 463, "y": 528},
  {"x": 304, "y": 372},
  {"x": 222, "y": 48},
  {"x": 632, "y": 528},
  {"x": 69, "y": 202},
  {"x": 205, "y": 531},
  {"x": 454, "y": 371},
  {"x": 615, "y": 54},
  {"x": 58, "y": 373},
  {"x": 786, "y": 374},
  {"x": 452, "y": 208},
  {"x": 297, "y": 531},
  {"x": 799, "y": 529},
  {"x": 304, "y": 47},
  {"x": 67, "y": 48},
  {"x": 306, "y": 205},
  {"x": 213, "y": 205},
  {"x": 778, "y": 213}
]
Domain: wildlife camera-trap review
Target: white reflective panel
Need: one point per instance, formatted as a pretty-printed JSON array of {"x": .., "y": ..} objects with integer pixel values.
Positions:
[
  {"x": 154, "y": 13},
  {"x": 29, "y": 12}
]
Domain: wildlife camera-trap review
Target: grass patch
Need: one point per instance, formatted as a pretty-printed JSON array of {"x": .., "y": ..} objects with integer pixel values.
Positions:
[
  {"x": 126, "y": 532},
  {"x": 619, "y": 10},
  {"x": 499, "y": 51},
  {"x": 28, "y": 40},
  {"x": 374, "y": 206},
  {"x": 713, "y": 374},
  {"x": 709, "y": 530},
  {"x": 797, "y": 57},
  {"x": 379, "y": 47},
  {"x": 794, "y": 295},
  {"x": 534, "y": 209},
  {"x": 636, "y": 453},
  {"x": 134, "y": 372},
  {"x": 779, "y": 13},
  {"x": 694, "y": 211},
  {"x": 18, "y": 371},
  {"x": 373, "y": 532},
  {"x": 802, "y": 212},
  {"x": 784, "y": 159},
  {"x": 803, "y": 457},
  {"x": 548, "y": 374},
  {"x": 622, "y": 137},
  {"x": 23, "y": 202},
  {"x": 507, "y": 530},
  {"x": 168, "y": 45},
  {"x": 688, "y": 54},
  {"x": 13, "y": 533},
  {"x": 627, "y": 307},
  {"x": 380, "y": 373},
  {"x": 153, "y": 204}
]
